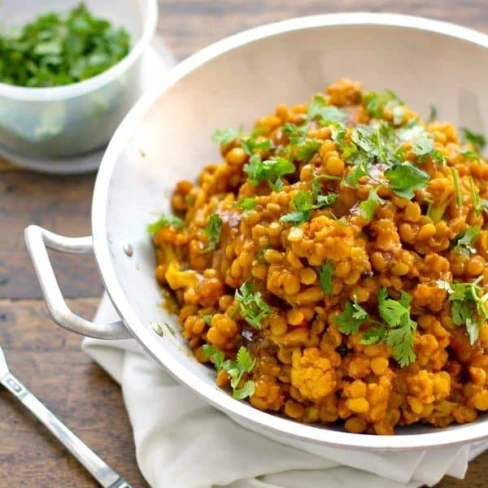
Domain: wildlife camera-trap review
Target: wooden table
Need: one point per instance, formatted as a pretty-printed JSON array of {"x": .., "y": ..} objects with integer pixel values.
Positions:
[{"x": 49, "y": 360}]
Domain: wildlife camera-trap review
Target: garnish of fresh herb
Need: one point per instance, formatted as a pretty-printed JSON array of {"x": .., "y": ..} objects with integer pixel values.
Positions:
[
  {"x": 246, "y": 203},
  {"x": 377, "y": 102},
  {"x": 307, "y": 150},
  {"x": 207, "y": 318},
  {"x": 368, "y": 207},
  {"x": 465, "y": 242},
  {"x": 468, "y": 304},
  {"x": 60, "y": 49},
  {"x": 270, "y": 170},
  {"x": 400, "y": 335},
  {"x": 244, "y": 363},
  {"x": 326, "y": 274},
  {"x": 477, "y": 140},
  {"x": 404, "y": 179},
  {"x": 475, "y": 197},
  {"x": 323, "y": 113},
  {"x": 304, "y": 202},
  {"x": 212, "y": 231},
  {"x": 457, "y": 189},
  {"x": 252, "y": 306},
  {"x": 226, "y": 136},
  {"x": 165, "y": 221},
  {"x": 351, "y": 319}
]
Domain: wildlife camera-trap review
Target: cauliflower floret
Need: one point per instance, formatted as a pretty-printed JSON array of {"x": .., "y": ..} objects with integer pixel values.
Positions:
[
  {"x": 312, "y": 374},
  {"x": 180, "y": 279}
]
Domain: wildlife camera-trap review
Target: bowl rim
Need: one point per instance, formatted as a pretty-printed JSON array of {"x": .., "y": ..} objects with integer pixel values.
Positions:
[
  {"x": 56, "y": 93},
  {"x": 241, "y": 411}
]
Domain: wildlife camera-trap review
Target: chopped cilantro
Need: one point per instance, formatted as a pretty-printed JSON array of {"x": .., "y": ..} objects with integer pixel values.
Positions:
[
  {"x": 465, "y": 242},
  {"x": 325, "y": 114},
  {"x": 405, "y": 178},
  {"x": 244, "y": 363},
  {"x": 60, "y": 49},
  {"x": 296, "y": 133},
  {"x": 468, "y": 304},
  {"x": 360, "y": 169},
  {"x": 457, "y": 189},
  {"x": 246, "y": 203},
  {"x": 252, "y": 307},
  {"x": 270, "y": 170},
  {"x": 212, "y": 231},
  {"x": 307, "y": 150},
  {"x": 477, "y": 140},
  {"x": 207, "y": 318},
  {"x": 400, "y": 335},
  {"x": 475, "y": 197},
  {"x": 251, "y": 144},
  {"x": 305, "y": 201},
  {"x": 373, "y": 336},
  {"x": 351, "y": 319},
  {"x": 470, "y": 154},
  {"x": 326, "y": 274},
  {"x": 368, "y": 207},
  {"x": 226, "y": 136},
  {"x": 377, "y": 102},
  {"x": 169, "y": 220}
]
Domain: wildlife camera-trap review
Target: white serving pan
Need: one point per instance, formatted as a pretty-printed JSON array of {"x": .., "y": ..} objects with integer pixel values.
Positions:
[{"x": 166, "y": 137}]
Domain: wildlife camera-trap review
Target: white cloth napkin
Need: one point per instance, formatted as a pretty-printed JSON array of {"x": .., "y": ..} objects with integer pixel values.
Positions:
[{"x": 181, "y": 442}]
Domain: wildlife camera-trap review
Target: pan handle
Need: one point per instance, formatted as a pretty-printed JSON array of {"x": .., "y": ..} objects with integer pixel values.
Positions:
[{"x": 38, "y": 241}]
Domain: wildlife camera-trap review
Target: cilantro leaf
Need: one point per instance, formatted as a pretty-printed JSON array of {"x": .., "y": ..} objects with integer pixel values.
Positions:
[
  {"x": 307, "y": 150},
  {"x": 468, "y": 306},
  {"x": 368, "y": 207},
  {"x": 207, "y": 318},
  {"x": 478, "y": 140},
  {"x": 400, "y": 335},
  {"x": 226, "y": 136},
  {"x": 326, "y": 114},
  {"x": 465, "y": 241},
  {"x": 373, "y": 336},
  {"x": 215, "y": 355},
  {"x": 246, "y": 203},
  {"x": 405, "y": 178},
  {"x": 212, "y": 231},
  {"x": 475, "y": 197},
  {"x": 244, "y": 363},
  {"x": 361, "y": 168},
  {"x": 270, "y": 170},
  {"x": 252, "y": 307},
  {"x": 326, "y": 274},
  {"x": 351, "y": 319},
  {"x": 457, "y": 189},
  {"x": 377, "y": 102},
  {"x": 325, "y": 200},
  {"x": 296, "y": 133},
  {"x": 251, "y": 144},
  {"x": 165, "y": 221},
  {"x": 246, "y": 391},
  {"x": 295, "y": 217}
]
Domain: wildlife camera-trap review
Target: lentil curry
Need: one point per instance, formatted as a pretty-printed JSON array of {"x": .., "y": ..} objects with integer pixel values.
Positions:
[{"x": 332, "y": 267}]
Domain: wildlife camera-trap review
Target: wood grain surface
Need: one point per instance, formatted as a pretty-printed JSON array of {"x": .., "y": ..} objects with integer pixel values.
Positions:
[{"x": 49, "y": 360}]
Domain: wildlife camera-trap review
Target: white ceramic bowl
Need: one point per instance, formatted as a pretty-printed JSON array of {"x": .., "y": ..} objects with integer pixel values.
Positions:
[
  {"x": 74, "y": 119},
  {"x": 166, "y": 137}
]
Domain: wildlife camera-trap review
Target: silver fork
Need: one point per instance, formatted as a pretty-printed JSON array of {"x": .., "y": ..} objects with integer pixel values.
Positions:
[{"x": 97, "y": 467}]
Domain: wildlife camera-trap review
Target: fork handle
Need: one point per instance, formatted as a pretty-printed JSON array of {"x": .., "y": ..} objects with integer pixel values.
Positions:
[{"x": 97, "y": 467}]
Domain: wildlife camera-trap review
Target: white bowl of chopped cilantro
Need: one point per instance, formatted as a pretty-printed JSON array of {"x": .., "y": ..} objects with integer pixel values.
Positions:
[{"x": 69, "y": 72}]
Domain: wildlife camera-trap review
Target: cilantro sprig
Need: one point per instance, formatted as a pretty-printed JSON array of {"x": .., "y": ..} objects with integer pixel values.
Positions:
[
  {"x": 468, "y": 305},
  {"x": 323, "y": 113},
  {"x": 270, "y": 170},
  {"x": 168, "y": 220},
  {"x": 405, "y": 179},
  {"x": 304, "y": 202},
  {"x": 244, "y": 363},
  {"x": 464, "y": 243},
  {"x": 212, "y": 232},
  {"x": 376, "y": 102},
  {"x": 60, "y": 49},
  {"x": 367, "y": 208},
  {"x": 352, "y": 317},
  {"x": 400, "y": 333},
  {"x": 252, "y": 306},
  {"x": 326, "y": 274},
  {"x": 477, "y": 140}
]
